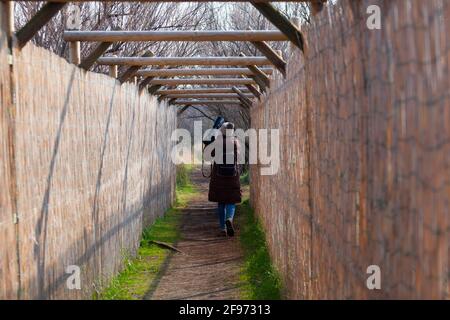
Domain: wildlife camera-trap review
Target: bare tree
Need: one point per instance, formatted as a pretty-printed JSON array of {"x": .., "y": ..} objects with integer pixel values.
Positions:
[{"x": 101, "y": 15}]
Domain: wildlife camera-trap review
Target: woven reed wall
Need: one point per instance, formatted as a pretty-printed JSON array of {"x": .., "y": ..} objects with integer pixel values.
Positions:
[
  {"x": 92, "y": 168},
  {"x": 8, "y": 243},
  {"x": 364, "y": 119}
]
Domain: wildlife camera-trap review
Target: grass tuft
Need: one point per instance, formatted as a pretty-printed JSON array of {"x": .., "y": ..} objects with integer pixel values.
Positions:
[{"x": 262, "y": 281}]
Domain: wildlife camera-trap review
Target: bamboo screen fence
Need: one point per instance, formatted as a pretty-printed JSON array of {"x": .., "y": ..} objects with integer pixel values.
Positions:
[
  {"x": 92, "y": 168},
  {"x": 364, "y": 120},
  {"x": 8, "y": 243}
]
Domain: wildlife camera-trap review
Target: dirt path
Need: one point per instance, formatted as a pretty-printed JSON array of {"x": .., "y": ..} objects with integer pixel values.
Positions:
[{"x": 209, "y": 266}]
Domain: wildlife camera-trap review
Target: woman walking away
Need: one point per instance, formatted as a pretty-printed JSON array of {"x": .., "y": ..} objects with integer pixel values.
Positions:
[{"x": 225, "y": 186}]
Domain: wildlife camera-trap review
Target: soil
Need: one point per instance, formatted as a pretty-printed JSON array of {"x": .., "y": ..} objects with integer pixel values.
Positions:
[{"x": 209, "y": 265}]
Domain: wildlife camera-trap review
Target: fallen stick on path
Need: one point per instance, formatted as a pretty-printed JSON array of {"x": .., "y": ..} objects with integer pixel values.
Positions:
[{"x": 167, "y": 246}]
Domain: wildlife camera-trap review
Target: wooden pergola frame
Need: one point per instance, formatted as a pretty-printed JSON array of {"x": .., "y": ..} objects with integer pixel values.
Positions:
[{"x": 248, "y": 70}]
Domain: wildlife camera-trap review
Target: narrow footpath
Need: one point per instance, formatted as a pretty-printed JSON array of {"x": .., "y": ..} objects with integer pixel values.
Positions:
[{"x": 209, "y": 265}]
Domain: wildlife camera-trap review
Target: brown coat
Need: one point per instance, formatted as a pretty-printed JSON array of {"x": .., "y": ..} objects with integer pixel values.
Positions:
[{"x": 224, "y": 189}]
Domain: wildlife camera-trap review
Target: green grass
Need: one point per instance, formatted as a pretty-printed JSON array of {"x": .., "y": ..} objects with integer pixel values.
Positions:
[
  {"x": 185, "y": 189},
  {"x": 245, "y": 178},
  {"x": 261, "y": 280},
  {"x": 134, "y": 281}
]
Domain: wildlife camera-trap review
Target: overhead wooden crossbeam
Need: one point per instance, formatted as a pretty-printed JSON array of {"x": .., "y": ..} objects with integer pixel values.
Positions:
[
  {"x": 131, "y": 71},
  {"x": 272, "y": 55},
  {"x": 184, "y": 61},
  {"x": 198, "y": 72},
  {"x": 144, "y": 83},
  {"x": 199, "y": 81},
  {"x": 89, "y": 61},
  {"x": 44, "y": 15},
  {"x": 199, "y": 91},
  {"x": 282, "y": 23},
  {"x": 147, "y": 79},
  {"x": 206, "y": 96},
  {"x": 194, "y": 35},
  {"x": 259, "y": 76},
  {"x": 152, "y": 89},
  {"x": 201, "y": 102},
  {"x": 253, "y": 90},
  {"x": 65, "y": 1},
  {"x": 244, "y": 99}
]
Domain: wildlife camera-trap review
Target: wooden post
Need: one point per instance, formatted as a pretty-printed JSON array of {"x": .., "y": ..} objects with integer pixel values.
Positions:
[
  {"x": 75, "y": 56},
  {"x": 113, "y": 71},
  {"x": 296, "y": 22},
  {"x": 9, "y": 16}
]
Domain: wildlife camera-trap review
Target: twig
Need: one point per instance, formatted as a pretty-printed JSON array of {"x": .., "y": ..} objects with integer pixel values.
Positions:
[{"x": 167, "y": 245}]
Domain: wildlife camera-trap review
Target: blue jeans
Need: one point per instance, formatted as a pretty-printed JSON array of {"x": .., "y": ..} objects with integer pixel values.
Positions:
[{"x": 225, "y": 211}]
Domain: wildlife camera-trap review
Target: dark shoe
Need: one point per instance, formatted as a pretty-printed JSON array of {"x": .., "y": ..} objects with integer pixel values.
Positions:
[{"x": 230, "y": 228}]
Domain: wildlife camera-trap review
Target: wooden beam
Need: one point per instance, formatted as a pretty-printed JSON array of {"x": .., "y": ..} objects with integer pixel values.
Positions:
[
  {"x": 253, "y": 90},
  {"x": 205, "y": 96},
  {"x": 65, "y": 1},
  {"x": 154, "y": 88},
  {"x": 74, "y": 52},
  {"x": 8, "y": 20},
  {"x": 113, "y": 71},
  {"x": 282, "y": 23},
  {"x": 260, "y": 77},
  {"x": 144, "y": 83},
  {"x": 317, "y": 6},
  {"x": 197, "y": 102},
  {"x": 131, "y": 71},
  {"x": 198, "y": 91},
  {"x": 245, "y": 100},
  {"x": 198, "y": 72},
  {"x": 182, "y": 110},
  {"x": 180, "y": 61},
  {"x": 96, "y": 53},
  {"x": 195, "y": 35},
  {"x": 40, "y": 19},
  {"x": 206, "y": 81},
  {"x": 271, "y": 54},
  {"x": 244, "y": 104}
]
